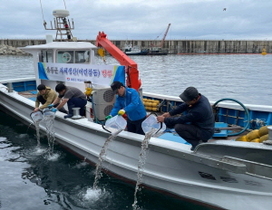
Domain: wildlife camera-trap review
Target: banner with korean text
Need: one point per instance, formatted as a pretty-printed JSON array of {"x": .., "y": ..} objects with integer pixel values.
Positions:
[{"x": 97, "y": 74}]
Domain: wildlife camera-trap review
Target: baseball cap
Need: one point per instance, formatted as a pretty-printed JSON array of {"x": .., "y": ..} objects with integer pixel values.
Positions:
[{"x": 189, "y": 94}]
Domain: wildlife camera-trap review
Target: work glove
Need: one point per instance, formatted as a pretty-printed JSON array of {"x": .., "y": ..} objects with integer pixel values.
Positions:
[
  {"x": 50, "y": 106},
  {"x": 54, "y": 110},
  {"x": 121, "y": 112},
  {"x": 108, "y": 117}
]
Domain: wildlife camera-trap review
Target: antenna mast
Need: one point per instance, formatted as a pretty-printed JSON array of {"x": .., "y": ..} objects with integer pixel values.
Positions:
[
  {"x": 62, "y": 25},
  {"x": 64, "y": 4}
]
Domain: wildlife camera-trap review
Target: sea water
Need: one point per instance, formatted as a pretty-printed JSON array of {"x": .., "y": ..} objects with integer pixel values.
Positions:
[
  {"x": 28, "y": 180},
  {"x": 244, "y": 77}
]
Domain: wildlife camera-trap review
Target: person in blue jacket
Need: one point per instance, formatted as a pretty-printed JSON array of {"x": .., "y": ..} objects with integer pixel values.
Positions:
[
  {"x": 196, "y": 124},
  {"x": 128, "y": 102}
]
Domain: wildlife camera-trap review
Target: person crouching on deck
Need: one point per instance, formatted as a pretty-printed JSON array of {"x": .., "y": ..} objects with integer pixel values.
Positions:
[
  {"x": 128, "y": 102},
  {"x": 46, "y": 96},
  {"x": 197, "y": 124},
  {"x": 73, "y": 97}
]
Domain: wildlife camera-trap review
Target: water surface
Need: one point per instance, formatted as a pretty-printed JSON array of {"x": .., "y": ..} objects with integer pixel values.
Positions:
[
  {"x": 30, "y": 180},
  {"x": 244, "y": 77}
]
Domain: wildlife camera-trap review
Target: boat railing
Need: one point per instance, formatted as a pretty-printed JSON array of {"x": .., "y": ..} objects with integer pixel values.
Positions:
[{"x": 253, "y": 168}]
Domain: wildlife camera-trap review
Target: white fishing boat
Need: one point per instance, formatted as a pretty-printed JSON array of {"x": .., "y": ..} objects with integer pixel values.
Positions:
[{"x": 221, "y": 174}]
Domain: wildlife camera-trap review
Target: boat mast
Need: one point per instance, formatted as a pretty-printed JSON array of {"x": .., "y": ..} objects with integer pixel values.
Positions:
[
  {"x": 61, "y": 25},
  {"x": 165, "y": 34}
]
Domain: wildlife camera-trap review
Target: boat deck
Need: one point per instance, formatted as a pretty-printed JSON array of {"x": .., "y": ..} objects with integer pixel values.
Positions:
[
  {"x": 31, "y": 94},
  {"x": 170, "y": 134}
]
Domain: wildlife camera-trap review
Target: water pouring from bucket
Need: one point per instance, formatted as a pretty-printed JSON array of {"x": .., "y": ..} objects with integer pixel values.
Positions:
[
  {"x": 114, "y": 126},
  {"x": 37, "y": 117},
  {"x": 151, "y": 128},
  {"x": 49, "y": 119}
]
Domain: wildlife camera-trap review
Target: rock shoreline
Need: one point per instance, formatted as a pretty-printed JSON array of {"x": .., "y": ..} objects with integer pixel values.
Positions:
[{"x": 9, "y": 50}]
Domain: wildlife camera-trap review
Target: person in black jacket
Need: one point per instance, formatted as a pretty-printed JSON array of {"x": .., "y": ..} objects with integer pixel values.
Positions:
[{"x": 197, "y": 123}]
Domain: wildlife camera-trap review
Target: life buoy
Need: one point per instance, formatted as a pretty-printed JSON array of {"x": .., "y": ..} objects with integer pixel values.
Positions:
[{"x": 66, "y": 57}]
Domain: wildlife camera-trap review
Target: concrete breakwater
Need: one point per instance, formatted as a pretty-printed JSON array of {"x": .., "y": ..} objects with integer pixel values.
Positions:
[
  {"x": 208, "y": 46},
  {"x": 10, "y": 50},
  {"x": 9, "y": 46}
]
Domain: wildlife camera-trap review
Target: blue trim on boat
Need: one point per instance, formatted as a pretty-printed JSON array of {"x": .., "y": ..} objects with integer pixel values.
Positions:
[
  {"x": 34, "y": 92},
  {"x": 173, "y": 136},
  {"x": 33, "y": 98},
  {"x": 23, "y": 86},
  {"x": 223, "y": 133}
]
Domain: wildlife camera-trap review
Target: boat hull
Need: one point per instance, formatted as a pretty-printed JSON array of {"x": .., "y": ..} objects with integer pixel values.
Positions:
[
  {"x": 170, "y": 166},
  {"x": 137, "y": 52}
]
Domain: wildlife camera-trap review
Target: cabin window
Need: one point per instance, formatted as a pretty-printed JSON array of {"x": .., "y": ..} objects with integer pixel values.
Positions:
[
  {"x": 65, "y": 57},
  {"x": 46, "y": 56},
  {"x": 82, "y": 56},
  {"x": 73, "y": 56}
]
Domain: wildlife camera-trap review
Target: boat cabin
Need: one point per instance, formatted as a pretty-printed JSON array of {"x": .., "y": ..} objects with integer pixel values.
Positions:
[{"x": 74, "y": 64}]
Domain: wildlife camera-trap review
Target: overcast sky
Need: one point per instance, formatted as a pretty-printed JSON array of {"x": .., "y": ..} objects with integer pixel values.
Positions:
[{"x": 142, "y": 19}]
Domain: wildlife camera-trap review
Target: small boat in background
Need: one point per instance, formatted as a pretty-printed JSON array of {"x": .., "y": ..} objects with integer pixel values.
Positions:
[
  {"x": 159, "y": 50},
  {"x": 129, "y": 49},
  {"x": 134, "y": 50}
]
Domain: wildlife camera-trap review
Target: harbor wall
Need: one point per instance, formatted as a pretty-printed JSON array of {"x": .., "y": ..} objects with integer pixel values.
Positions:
[{"x": 174, "y": 46}]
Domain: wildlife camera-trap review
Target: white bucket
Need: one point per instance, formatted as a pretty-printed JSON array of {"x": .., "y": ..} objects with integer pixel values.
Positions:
[
  {"x": 116, "y": 123},
  {"x": 150, "y": 123},
  {"x": 36, "y": 116},
  {"x": 48, "y": 113}
]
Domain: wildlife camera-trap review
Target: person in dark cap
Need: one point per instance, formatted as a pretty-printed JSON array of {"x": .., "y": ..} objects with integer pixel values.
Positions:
[
  {"x": 196, "y": 125},
  {"x": 128, "y": 102}
]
